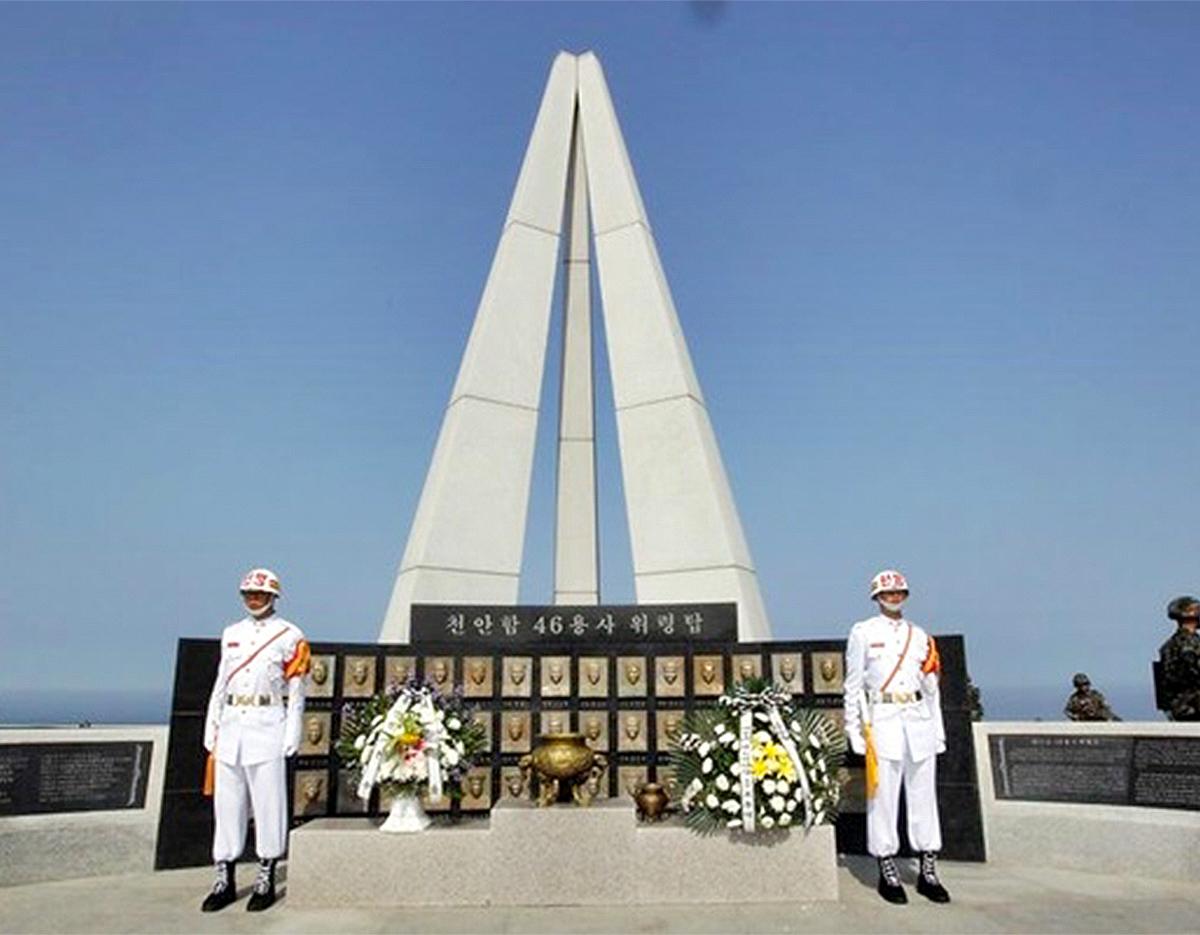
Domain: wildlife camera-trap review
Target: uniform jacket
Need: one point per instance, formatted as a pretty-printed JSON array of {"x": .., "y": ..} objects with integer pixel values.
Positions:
[
  {"x": 260, "y": 659},
  {"x": 873, "y": 653}
]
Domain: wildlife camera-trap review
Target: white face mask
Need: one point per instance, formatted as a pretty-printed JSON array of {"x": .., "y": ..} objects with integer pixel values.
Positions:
[
  {"x": 892, "y": 607},
  {"x": 265, "y": 611}
]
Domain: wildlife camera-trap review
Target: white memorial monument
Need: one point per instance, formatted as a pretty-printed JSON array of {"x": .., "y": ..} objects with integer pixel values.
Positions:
[{"x": 467, "y": 536}]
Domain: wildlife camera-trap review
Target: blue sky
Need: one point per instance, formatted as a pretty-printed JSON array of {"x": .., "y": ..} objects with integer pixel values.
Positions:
[{"x": 938, "y": 268}]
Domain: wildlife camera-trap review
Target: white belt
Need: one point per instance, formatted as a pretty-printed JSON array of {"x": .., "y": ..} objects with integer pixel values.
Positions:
[
  {"x": 895, "y": 697},
  {"x": 254, "y": 701}
]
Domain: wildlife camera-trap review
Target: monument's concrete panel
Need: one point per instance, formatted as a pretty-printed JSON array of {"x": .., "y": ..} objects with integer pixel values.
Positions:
[
  {"x": 507, "y": 348},
  {"x": 1095, "y": 838},
  {"x": 576, "y": 546},
  {"x": 526, "y": 856},
  {"x": 538, "y": 196},
  {"x": 62, "y": 845}
]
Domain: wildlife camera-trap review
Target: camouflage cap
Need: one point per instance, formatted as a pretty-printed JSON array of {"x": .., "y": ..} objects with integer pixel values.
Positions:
[
  {"x": 1081, "y": 680},
  {"x": 1185, "y": 606}
]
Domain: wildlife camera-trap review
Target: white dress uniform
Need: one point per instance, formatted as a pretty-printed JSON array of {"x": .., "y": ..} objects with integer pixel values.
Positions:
[
  {"x": 253, "y": 722},
  {"x": 892, "y": 673}
]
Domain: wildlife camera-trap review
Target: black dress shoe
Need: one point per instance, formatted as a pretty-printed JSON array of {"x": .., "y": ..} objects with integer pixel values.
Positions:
[
  {"x": 263, "y": 895},
  {"x": 928, "y": 884},
  {"x": 224, "y": 889},
  {"x": 889, "y": 882}
]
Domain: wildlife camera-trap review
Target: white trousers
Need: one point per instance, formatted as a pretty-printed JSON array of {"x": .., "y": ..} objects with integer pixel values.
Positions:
[
  {"x": 920, "y": 797},
  {"x": 261, "y": 788}
]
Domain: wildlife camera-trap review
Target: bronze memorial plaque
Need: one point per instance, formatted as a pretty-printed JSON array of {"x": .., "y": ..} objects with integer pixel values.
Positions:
[
  {"x": 310, "y": 796},
  {"x": 667, "y": 723},
  {"x": 556, "y": 676},
  {"x": 477, "y": 677},
  {"x": 477, "y": 790},
  {"x": 515, "y": 734},
  {"x": 347, "y": 792},
  {"x": 518, "y": 677},
  {"x": 630, "y": 779},
  {"x": 439, "y": 672},
  {"x": 594, "y": 727},
  {"x": 398, "y": 669},
  {"x": 708, "y": 675},
  {"x": 827, "y": 673},
  {"x": 593, "y": 677},
  {"x": 787, "y": 671},
  {"x": 512, "y": 783},
  {"x": 358, "y": 676},
  {"x": 631, "y": 731},
  {"x": 555, "y": 722},
  {"x": 668, "y": 677},
  {"x": 484, "y": 718},
  {"x": 746, "y": 667},
  {"x": 319, "y": 681},
  {"x": 314, "y": 734},
  {"x": 631, "y": 677}
]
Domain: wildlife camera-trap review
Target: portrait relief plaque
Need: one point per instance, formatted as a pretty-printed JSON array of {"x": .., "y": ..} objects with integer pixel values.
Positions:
[
  {"x": 484, "y": 718},
  {"x": 319, "y": 681},
  {"x": 310, "y": 796},
  {"x": 787, "y": 671},
  {"x": 515, "y": 733},
  {"x": 518, "y": 677},
  {"x": 477, "y": 677},
  {"x": 556, "y": 676},
  {"x": 314, "y": 734},
  {"x": 631, "y": 731},
  {"x": 358, "y": 676},
  {"x": 631, "y": 677},
  {"x": 667, "y": 723},
  {"x": 827, "y": 671},
  {"x": 597, "y": 784},
  {"x": 593, "y": 725},
  {"x": 745, "y": 667},
  {"x": 556, "y": 722},
  {"x": 348, "y": 801},
  {"x": 593, "y": 677},
  {"x": 512, "y": 783},
  {"x": 708, "y": 675},
  {"x": 477, "y": 790},
  {"x": 432, "y": 805},
  {"x": 439, "y": 672},
  {"x": 630, "y": 779},
  {"x": 666, "y": 779},
  {"x": 668, "y": 677},
  {"x": 398, "y": 669}
]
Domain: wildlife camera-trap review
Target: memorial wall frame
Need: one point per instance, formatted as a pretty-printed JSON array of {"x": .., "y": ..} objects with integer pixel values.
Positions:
[{"x": 561, "y": 681}]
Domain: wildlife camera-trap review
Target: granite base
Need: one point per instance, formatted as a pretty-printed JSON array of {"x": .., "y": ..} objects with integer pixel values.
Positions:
[{"x": 522, "y": 855}]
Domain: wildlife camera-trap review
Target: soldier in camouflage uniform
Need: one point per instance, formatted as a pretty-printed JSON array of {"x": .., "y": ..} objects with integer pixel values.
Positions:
[
  {"x": 1180, "y": 658},
  {"x": 1087, "y": 704}
]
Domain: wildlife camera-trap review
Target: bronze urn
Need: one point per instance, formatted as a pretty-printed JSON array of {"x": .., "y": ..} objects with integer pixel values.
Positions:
[
  {"x": 563, "y": 761},
  {"x": 651, "y": 801}
]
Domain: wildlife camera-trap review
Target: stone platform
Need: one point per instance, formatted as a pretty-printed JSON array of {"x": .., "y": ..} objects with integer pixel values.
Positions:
[{"x": 562, "y": 856}]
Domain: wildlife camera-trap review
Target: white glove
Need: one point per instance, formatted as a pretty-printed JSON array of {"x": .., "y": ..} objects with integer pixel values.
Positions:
[
  {"x": 858, "y": 744},
  {"x": 941, "y": 747},
  {"x": 290, "y": 749}
]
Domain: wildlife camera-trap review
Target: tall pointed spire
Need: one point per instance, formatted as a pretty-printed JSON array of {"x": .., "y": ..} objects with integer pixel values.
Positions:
[{"x": 467, "y": 535}]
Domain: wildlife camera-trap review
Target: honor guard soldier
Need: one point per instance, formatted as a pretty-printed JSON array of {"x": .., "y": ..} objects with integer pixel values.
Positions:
[
  {"x": 253, "y": 723},
  {"x": 1180, "y": 659},
  {"x": 894, "y": 719}
]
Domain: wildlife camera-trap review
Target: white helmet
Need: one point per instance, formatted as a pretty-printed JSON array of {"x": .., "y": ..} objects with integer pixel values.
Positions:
[
  {"x": 261, "y": 579},
  {"x": 888, "y": 580}
]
